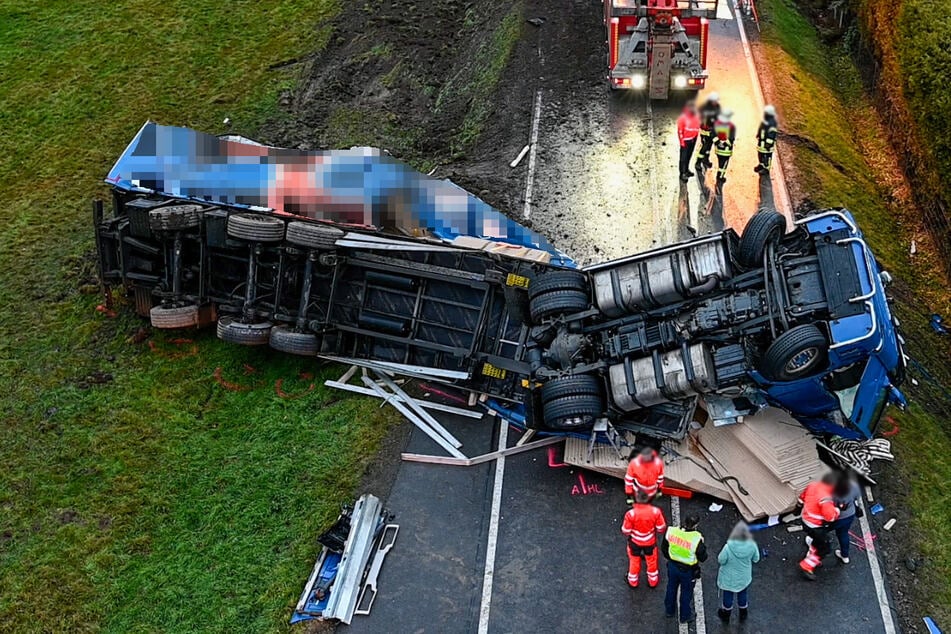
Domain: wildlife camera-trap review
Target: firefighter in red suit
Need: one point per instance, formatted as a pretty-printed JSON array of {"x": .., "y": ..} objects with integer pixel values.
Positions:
[
  {"x": 642, "y": 524},
  {"x": 818, "y": 513},
  {"x": 644, "y": 473}
]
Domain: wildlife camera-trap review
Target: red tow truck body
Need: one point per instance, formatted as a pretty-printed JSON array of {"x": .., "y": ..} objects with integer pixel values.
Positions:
[{"x": 657, "y": 46}]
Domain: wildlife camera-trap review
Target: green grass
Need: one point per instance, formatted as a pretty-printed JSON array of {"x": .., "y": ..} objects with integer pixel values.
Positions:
[
  {"x": 820, "y": 98},
  {"x": 159, "y": 500},
  {"x": 476, "y": 85}
]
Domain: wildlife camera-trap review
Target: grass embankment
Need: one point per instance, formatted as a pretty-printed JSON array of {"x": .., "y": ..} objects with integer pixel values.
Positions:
[
  {"x": 910, "y": 41},
  {"x": 844, "y": 159},
  {"x": 155, "y": 500}
]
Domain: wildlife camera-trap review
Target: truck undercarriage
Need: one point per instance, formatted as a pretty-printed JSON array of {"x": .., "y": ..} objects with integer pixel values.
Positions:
[{"x": 635, "y": 340}]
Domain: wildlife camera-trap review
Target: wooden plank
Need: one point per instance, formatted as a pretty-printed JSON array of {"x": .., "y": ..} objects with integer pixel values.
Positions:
[{"x": 488, "y": 457}]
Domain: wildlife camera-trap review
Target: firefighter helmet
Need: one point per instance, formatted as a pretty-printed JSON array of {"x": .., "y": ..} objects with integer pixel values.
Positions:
[{"x": 770, "y": 111}]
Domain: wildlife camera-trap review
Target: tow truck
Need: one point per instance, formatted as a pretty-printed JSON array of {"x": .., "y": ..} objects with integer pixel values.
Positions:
[
  {"x": 799, "y": 318},
  {"x": 658, "y": 45}
]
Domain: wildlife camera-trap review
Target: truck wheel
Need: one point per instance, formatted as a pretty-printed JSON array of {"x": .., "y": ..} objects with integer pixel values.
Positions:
[
  {"x": 286, "y": 339},
  {"x": 557, "y": 280},
  {"x": 759, "y": 231},
  {"x": 559, "y": 302},
  {"x": 799, "y": 352},
  {"x": 234, "y": 331},
  {"x": 577, "y": 385},
  {"x": 167, "y": 317},
  {"x": 572, "y": 412},
  {"x": 255, "y": 227},
  {"x": 174, "y": 217},
  {"x": 313, "y": 236}
]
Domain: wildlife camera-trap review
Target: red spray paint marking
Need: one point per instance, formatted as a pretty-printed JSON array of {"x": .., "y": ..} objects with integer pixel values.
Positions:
[
  {"x": 280, "y": 392},
  {"x": 228, "y": 385},
  {"x": 446, "y": 395},
  {"x": 894, "y": 430},
  {"x": 105, "y": 310},
  {"x": 552, "y": 460},
  {"x": 190, "y": 352},
  {"x": 862, "y": 543},
  {"x": 582, "y": 488}
]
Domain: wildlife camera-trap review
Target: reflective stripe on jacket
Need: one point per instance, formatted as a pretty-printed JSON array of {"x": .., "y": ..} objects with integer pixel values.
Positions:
[
  {"x": 766, "y": 135},
  {"x": 818, "y": 507},
  {"x": 644, "y": 476},
  {"x": 725, "y": 136},
  {"x": 688, "y": 127},
  {"x": 643, "y": 523},
  {"x": 682, "y": 545}
]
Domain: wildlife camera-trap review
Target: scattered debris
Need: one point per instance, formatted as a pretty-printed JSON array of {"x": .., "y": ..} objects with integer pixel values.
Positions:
[
  {"x": 715, "y": 508},
  {"x": 536, "y": 22},
  {"x": 890, "y": 523},
  {"x": 521, "y": 155},
  {"x": 793, "y": 528},
  {"x": 937, "y": 324},
  {"x": 931, "y": 625},
  {"x": 343, "y": 581},
  {"x": 876, "y": 509}
]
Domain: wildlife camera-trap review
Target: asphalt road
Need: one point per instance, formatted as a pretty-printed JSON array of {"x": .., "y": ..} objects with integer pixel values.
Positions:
[
  {"x": 605, "y": 186},
  {"x": 560, "y": 563}
]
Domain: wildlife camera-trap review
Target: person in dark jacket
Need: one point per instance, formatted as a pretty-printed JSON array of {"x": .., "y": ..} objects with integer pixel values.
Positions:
[
  {"x": 736, "y": 561},
  {"x": 846, "y": 495},
  {"x": 766, "y": 140},
  {"x": 685, "y": 550},
  {"x": 709, "y": 112}
]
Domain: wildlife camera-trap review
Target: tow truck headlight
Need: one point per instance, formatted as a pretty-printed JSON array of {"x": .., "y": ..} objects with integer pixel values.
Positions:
[
  {"x": 680, "y": 81},
  {"x": 638, "y": 81}
]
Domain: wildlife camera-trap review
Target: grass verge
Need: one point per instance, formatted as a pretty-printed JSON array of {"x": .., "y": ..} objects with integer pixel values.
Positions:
[
  {"x": 138, "y": 493},
  {"x": 840, "y": 155}
]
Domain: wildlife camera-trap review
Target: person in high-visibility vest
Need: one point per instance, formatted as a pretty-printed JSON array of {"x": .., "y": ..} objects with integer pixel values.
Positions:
[
  {"x": 709, "y": 112},
  {"x": 642, "y": 524},
  {"x": 684, "y": 549},
  {"x": 644, "y": 473},
  {"x": 819, "y": 511},
  {"x": 766, "y": 140},
  {"x": 724, "y": 134}
]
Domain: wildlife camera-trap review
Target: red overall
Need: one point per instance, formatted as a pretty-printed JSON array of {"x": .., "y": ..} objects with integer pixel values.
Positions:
[
  {"x": 818, "y": 511},
  {"x": 642, "y": 524},
  {"x": 645, "y": 475}
]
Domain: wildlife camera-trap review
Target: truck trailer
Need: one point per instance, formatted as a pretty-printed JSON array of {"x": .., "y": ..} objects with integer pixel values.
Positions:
[{"x": 658, "y": 46}]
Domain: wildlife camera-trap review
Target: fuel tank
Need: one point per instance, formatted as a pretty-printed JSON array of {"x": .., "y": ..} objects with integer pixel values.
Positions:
[{"x": 662, "y": 377}]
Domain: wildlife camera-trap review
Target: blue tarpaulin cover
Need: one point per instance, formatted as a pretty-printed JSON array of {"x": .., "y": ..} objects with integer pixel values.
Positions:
[{"x": 360, "y": 186}]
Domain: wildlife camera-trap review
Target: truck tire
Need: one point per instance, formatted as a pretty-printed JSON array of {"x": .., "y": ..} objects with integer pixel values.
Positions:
[
  {"x": 255, "y": 228},
  {"x": 286, "y": 339},
  {"x": 174, "y": 218},
  {"x": 759, "y": 231},
  {"x": 572, "y": 412},
  {"x": 576, "y": 385},
  {"x": 558, "y": 302},
  {"x": 798, "y": 353},
  {"x": 167, "y": 317},
  {"x": 313, "y": 236},
  {"x": 234, "y": 331},
  {"x": 557, "y": 280}
]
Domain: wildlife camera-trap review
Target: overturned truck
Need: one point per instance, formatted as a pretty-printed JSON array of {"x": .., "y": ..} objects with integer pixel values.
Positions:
[
  {"x": 209, "y": 230},
  {"x": 798, "y": 317}
]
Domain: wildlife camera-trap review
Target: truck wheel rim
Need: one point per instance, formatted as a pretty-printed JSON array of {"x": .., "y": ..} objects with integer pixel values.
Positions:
[{"x": 802, "y": 361}]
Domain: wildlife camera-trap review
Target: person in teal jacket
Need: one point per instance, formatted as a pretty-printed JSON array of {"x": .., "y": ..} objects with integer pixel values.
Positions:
[{"x": 736, "y": 571}]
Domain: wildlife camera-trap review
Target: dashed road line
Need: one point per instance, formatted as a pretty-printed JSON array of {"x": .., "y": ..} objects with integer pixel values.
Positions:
[
  {"x": 701, "y": 622},
  {"x": 493, "y": 539},
  {"x": 532, "y": 153}
]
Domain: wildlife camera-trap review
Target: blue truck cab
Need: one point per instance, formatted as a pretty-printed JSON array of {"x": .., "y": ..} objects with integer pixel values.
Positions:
[{"x": 865, "y": 358}]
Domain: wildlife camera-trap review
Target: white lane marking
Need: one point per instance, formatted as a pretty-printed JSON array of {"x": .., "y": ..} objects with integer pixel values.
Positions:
[
  {"x": 779, "y": 181},
  {"x": 701, "y": 623},
  {"x": 877, "y": 580},
  {"x": 659, "y": 226},
  {"x": 489, "y": 574},
  {"x": 533, "y": 143}
]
